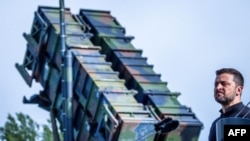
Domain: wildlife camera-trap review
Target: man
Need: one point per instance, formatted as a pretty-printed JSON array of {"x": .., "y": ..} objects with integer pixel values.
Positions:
[{"x": 228, "y": 89}]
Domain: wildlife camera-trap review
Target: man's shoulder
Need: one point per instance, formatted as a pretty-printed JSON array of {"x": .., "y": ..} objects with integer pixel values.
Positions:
[
  {"x": 216, "y": 120},
  {"x": 246, "y": 113}
]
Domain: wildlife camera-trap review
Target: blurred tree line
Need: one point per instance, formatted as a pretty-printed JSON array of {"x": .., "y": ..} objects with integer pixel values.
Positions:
[{"x": 23, "y": 128}]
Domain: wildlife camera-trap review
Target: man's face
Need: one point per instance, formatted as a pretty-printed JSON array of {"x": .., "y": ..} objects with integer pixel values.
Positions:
[{"x": 225, "y": 89}]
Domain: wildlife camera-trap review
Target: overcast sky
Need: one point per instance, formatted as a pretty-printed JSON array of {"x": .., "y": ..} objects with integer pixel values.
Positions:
[{"x": 185, "y": 40}]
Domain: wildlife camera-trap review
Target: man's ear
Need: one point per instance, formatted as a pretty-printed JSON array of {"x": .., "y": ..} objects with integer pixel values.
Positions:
[{"x": 239, "y": 90}]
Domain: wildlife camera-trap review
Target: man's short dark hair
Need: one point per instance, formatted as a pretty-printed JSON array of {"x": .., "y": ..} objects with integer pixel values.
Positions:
[{"x": 238, "y": 77}]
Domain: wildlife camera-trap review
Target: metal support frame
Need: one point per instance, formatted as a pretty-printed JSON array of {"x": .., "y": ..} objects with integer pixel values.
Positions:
[{"x": 66, "y": 67}]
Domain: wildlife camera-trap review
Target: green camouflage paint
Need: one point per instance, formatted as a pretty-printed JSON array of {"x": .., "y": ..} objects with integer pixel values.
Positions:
[{"x": 117, "y": 96}]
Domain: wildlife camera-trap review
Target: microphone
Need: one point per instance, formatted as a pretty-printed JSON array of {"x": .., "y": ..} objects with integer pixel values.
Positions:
[{"x": 166, "y": 125}]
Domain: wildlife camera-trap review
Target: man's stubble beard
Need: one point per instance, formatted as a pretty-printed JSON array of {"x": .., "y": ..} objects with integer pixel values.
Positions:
[{"x": 226, "y": 100}]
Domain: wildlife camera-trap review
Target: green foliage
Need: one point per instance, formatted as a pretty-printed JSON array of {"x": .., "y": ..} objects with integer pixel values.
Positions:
[
  {"x": 47, "y": 134},
  {"x": 23, "y": 128}
]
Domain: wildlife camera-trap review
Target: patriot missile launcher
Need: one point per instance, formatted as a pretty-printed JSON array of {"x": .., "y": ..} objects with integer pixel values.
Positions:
[{"x": 116, "y": 94}]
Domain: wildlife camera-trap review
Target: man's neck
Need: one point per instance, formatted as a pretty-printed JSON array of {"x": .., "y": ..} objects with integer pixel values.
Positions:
[{"x": 225, "y": 107}]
